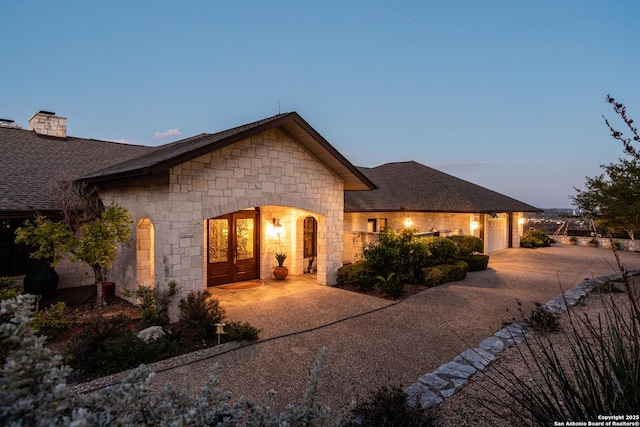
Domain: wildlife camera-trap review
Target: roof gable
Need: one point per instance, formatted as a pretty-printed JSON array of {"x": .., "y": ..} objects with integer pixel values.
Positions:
[
  {"x": 160, "y": 159},
  {"x": 411, "y": 186}
]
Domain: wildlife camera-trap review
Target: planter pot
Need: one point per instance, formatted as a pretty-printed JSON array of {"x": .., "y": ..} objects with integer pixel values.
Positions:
[
  {"x": 572, "y": 242},
  {"x": 108, "y": 289},
  {"x": 280, "y": 273},
  {"x": 41, "y": 279}
]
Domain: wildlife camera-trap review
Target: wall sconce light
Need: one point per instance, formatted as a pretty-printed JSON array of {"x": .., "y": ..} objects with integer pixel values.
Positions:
[
  {"x": 520, "y": 221},
  {"x": 277, "y": 227},
  {"x": 474, "y": 225},
  {"x": 220, "y": 330},
  {"x": 407, "y": 222},
  {"x": 274, "y": 230}
]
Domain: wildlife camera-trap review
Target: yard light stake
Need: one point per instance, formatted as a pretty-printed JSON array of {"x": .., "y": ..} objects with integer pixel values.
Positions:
[{"x": 220, "y": 330}]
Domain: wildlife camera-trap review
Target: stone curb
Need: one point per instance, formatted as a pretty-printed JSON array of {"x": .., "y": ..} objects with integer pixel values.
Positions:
[{"x": 432, "y": 388}]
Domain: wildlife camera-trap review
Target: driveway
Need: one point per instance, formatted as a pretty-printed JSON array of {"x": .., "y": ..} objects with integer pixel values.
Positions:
[{"x": 381, "y": 342}]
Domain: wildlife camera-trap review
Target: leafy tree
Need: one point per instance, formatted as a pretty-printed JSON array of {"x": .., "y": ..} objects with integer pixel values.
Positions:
[
  {"x": 613, "y": 198},
  {"x": 89, "y": 231}
]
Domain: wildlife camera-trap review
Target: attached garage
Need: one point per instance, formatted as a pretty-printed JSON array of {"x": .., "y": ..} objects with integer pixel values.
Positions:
[{"x": 497, "y": 232}]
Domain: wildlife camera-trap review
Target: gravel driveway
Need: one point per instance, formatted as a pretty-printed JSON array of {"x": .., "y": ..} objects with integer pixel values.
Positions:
[{"x": 382, "y": 342}]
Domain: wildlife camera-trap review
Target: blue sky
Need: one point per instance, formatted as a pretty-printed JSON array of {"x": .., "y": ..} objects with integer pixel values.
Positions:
[{"x": 506, "y": 94}]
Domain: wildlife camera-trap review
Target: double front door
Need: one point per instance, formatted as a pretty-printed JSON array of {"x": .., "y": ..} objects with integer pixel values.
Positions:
[{"x": 233, "y": 249}]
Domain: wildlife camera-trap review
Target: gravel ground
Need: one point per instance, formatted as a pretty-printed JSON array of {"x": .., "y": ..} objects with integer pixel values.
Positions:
[
  {"x": 379, "y": 342},
  {"x": 471, "y": 405}
]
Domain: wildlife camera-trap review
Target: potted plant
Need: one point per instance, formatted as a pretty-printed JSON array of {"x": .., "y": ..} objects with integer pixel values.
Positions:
[
  {"x": 573, "y": 240},
  {"x": 593, "y": 243},
  {"x": 280, "y": 272}
]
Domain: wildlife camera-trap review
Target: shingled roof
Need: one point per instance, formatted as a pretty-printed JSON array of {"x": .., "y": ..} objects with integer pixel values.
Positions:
[
  {"x": 411, "y": 186},
  {"x": 30, "y": 163},
  {"x": 164, "y": 157}
]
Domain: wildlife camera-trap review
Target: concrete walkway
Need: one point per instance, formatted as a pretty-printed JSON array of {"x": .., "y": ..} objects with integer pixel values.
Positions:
[{"x": 392, "y": 343}]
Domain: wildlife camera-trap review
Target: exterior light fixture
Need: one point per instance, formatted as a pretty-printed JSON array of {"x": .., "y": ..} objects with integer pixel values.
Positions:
[
  {"x": 277, "y": 227},
  {"x": 474, "y": 225},
  {"x": 407, "y": 222},
  {"x": 220, "y": 330},
  {"x": 520, "y": 221}
]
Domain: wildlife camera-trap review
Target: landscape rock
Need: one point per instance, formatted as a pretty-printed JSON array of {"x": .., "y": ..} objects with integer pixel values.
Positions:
[{"x": 151, "y": 333}]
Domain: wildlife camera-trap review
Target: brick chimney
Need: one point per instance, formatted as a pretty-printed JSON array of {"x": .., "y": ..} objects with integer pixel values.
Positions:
[
  {"x": 48, "y": 124},
  {"x": 7, "y": 123}
]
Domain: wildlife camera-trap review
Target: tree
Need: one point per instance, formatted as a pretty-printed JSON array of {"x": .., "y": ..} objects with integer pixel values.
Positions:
[
  {"x": 621, "y": 110},
  {"x": 88, "y": 230},
  {"x": 613, "y": 198}
]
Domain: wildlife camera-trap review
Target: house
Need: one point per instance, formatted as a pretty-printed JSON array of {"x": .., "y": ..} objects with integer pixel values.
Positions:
[
  {"x": 208, "y": 210},
  {"x": 215, "y": 208},
  {"x": 435, "y": 203}
]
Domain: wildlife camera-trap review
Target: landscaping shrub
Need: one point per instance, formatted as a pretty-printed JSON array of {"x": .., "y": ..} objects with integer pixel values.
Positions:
[
  {"x": 476, "y": 262},
  {"x": 443, "y": 273},
  {"x": 109, "y": 345},
  {"x": 8, "y": 289},
  {"x": 388, "y": 407},
  {"x": 154, "y": 302},
  {"x": 440, "y": 250},
  {"x": 535, "y": 239},
  {"x": 542, "y": 320},
  {"x": 467, "y": 245},
  {"x": 199, "y": 315},
  {"x": 390, "y": 254},
  {"x": 241, "y": 331},
  {"x": 356, "y": 274},
  {"x": 53, "y": 322},
  {"x": 390, "y": 285}
]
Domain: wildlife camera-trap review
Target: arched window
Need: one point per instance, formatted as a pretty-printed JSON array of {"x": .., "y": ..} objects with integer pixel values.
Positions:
[
  {"x": 144, "y": 252},
  {"x": 310, "y": 237}
]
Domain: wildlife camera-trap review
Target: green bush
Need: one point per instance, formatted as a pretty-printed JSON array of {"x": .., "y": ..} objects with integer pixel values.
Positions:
[
  {"x": 199, "y": 315},
  {"x": 443, "y": 273},
  {"x": 390, "y": 285},
  {"x": 439, "y": 250},
  {"x": 467, "y": 245},
  {"x": 154, "y": 302},
  {"x": 8, "y": 288},
  {"x": 53, "y": 322},
  {"x": 241, "y": 331},
  {"x": 535, "y": 239},
  {"x": 388, "y": 407},
  {"x": 476, "y": 262},
  {"x": 109, "y": 345},
  {"x": 356, "y": 274},
  {"x": 433, "y": 276},
  {"x": 390, "y": 254}
]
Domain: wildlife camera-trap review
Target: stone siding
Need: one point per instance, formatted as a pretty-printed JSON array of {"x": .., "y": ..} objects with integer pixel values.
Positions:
[{"x": 270, "y": 171}]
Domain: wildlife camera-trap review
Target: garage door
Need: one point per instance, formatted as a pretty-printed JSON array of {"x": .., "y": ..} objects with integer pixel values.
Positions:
[{"x": 497, "y": 235}]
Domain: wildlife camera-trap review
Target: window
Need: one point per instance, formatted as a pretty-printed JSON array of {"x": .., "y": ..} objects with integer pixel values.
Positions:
[
  {"x": 310, "y": 237},
  {"x": 383, "y": 224},
  {"x": 371, "y": 225}
]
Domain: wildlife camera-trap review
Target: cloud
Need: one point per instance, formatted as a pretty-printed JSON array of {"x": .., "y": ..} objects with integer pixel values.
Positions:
[
  {"x": 461, "y": 164},
  {"x": 120, "y": 141},
  {"x": 170, "y": 132}
]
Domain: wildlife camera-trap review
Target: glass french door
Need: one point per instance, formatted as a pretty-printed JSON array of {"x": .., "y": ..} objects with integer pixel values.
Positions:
[{"x": 233, "y": 248}]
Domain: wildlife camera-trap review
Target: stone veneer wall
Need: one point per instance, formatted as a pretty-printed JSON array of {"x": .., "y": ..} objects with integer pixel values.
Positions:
[
  {"x": 269, "y": 170},
  {"x": 356, "y": 235}
]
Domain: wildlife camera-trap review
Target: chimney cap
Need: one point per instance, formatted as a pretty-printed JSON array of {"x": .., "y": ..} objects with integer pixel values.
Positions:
[
  {"x": 6, "y": 120},
  {"x": 49, "y": 113}
]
